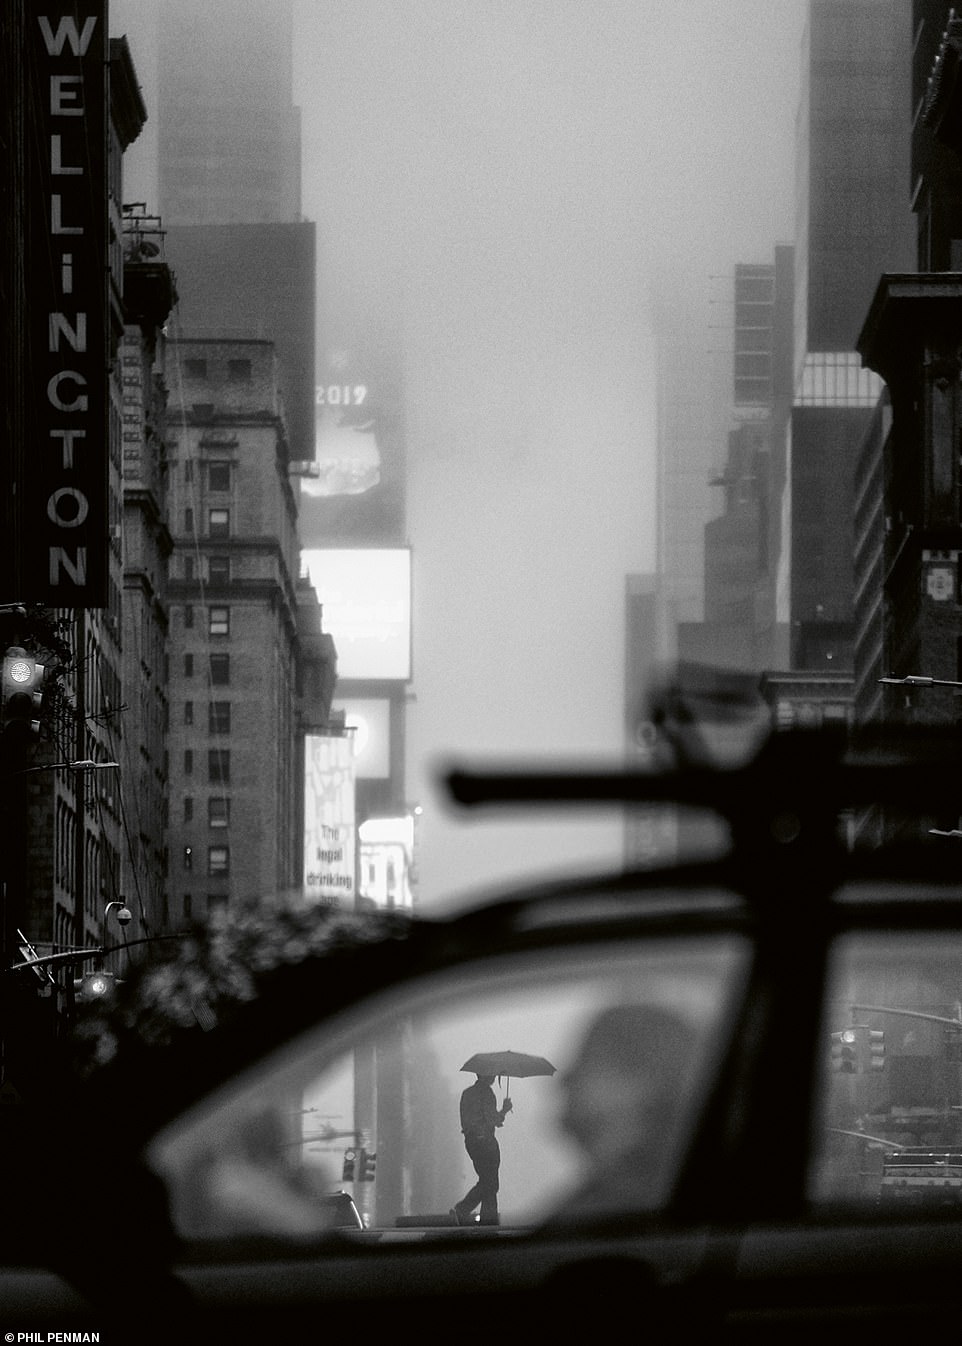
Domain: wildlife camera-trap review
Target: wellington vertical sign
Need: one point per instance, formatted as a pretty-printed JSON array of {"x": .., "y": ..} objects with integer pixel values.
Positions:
[{"x": 64, "y": 485}]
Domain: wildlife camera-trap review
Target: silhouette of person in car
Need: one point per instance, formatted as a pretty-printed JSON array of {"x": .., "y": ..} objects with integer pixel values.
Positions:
[
  {"x": 480, "y": 1117},
  {"x": 623, "y": 1100}
]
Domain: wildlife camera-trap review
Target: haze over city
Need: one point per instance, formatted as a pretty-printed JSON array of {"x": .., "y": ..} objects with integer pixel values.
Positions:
[{"x": 545, "y": 201}]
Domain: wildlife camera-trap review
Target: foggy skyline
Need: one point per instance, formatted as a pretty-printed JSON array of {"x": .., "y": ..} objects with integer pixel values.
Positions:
[
  {"x": 555, "y": 189},
  {"x": 548, "y": 200}
]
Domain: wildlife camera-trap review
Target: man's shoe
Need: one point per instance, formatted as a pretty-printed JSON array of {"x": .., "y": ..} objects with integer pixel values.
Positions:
[{"x": 461, "y": 1216}]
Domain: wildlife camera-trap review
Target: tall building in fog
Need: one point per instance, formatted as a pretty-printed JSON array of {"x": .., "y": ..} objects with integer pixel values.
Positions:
[
  {"x": 223, "y": 166},
  {"x": 743, "y": 625},
  {"x": 854, "y": 222},
  {"x": 229, "y": 135}
]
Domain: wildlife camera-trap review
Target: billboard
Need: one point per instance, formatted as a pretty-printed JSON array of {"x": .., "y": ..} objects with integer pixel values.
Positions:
[
  {"x": 63, "y": 487},
  {"x": 365, "y": 594},
  {"x": 386, "y": 860},
  {"x": 330, "y": 826},
  {"x": 369, "y": 721}
]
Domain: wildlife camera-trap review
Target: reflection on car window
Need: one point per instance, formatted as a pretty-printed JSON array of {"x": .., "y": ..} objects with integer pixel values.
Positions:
[
  {"x": 358, "y": 1122},
  {"x": 889, "y": 1126}
]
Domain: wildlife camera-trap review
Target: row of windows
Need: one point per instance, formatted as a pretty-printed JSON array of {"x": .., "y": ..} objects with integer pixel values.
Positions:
[
  {"x": 218, "y": 522},
  {"x": 218, "y": 859},
  {"x": 218, "y": 765},
  {"x": 218, "y": 473},
  {"x": 218, "y": 716},
  {"x": 218, "y": 569},
  {"x": 218, "y": 667},
  {"x": 238, "y": 371},
  {"x": 218, "y": 620},
  {"x": 218, "y": 810}
]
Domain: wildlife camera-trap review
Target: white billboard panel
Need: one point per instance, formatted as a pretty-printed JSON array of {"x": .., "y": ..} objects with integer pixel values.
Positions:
[
  {"x": 330, "y": 823},
  {"x": 366, "y": 597}
]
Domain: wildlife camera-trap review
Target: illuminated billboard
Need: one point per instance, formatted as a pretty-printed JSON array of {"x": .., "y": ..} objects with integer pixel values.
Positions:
[
  {"x": 365, "y": 594},
  {"x": 368, "y": 722},
  {"x": 330, "y": 824}
]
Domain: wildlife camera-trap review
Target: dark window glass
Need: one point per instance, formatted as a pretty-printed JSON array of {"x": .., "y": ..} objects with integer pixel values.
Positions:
[
  {"x": 188, "y": 761},
  {"x": 218, "y": 765},
  {"x": 220, "y": 670},
  {"x": 188, "y": 665},
  {"x": 188, "y": 712},
  {"x": 218, "y": 569},
  {"x": 239, "y": 371},
  {"x": 219, "y": 717},
  {"x": 218, "y": 476}
]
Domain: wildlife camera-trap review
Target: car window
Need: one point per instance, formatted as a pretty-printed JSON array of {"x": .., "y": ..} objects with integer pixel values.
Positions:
[
  {"x": 888, "y": 1126},
  {"x": 366, "y": 1106}
]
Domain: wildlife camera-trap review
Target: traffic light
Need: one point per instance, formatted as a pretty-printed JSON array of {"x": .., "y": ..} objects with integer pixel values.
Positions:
[
  {"x": 845, "y": 1051},
  {"x": 873, "y": 1049},
  {"x": 367, "y": 1166},
  {"x": 23, "y": 679},
  {"x": 350, "y": 1166},
  {"x": 96, "y": 986}
]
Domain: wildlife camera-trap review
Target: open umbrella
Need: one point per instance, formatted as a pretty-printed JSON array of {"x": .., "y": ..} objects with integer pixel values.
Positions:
[{"x": 508, "y": 1065}]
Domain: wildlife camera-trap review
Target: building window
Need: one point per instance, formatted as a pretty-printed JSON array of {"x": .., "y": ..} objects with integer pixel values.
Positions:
[
  {"x": 219, "y": 621},
  {"x": 218, "y": 476},
  {"x": 188, "y": 470},
  {"x": 188, "y": 665},
  {"x": 218, "y": 569},
  {"x": 188, "y": 567},
  {"x": 188, "y": 907},
  {"x": 218, "y": 522},
  {"x": 188, "y": 520},
  {"x": 218, "y": 766},
  {"x": 188, "y": 808},
  {"x": 220, "y": 670},
  {"x": 188, "y": 712},
  {"x": 218, "y": 811},
  {"x": 188, "y": 615},
  {"x": 218, "y": 860},
  {"x": 239, "y": 371},
  {"x": 188, "y": 761},
  {"x": 219, "y": 717},
  {"x": 188, "y": 857},
  {"x": 195, "y": 369}
]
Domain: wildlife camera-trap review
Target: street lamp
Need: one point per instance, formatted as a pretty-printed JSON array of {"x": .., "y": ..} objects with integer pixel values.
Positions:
[
  {"x": 919, "y": 680},
  {"x": 124, "y": 917},
  {"x": 81, "y": 764}
]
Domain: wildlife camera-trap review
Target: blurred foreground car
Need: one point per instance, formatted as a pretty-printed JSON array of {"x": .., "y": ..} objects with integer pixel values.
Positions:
[{"x": 193, "y": 1189}]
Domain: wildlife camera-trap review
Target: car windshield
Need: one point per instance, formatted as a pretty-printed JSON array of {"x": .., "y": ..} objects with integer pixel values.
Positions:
[{"x": 587, "y": 1058}]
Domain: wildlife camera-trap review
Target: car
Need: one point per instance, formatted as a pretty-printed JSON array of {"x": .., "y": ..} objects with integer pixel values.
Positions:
[{"x": 817, "y": 987}]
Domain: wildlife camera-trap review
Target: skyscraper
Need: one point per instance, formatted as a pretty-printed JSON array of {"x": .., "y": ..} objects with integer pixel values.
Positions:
[{"x": 854, "y": 222}]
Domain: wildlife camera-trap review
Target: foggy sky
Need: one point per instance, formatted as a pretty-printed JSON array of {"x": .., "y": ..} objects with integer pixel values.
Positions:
[
  {"x": 549, "y": 186},
  {"x": 546, "y": 197}
]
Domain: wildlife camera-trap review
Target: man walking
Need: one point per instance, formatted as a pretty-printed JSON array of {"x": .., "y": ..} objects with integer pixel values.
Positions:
[{"x": 480, "y": 1117}]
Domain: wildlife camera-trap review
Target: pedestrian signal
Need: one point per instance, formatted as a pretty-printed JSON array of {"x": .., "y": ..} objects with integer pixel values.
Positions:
[
  {"x": 349, "y": 1171},
  {"x": 368, "y": 1161},
  {"x": 845, "y": 1051}
]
